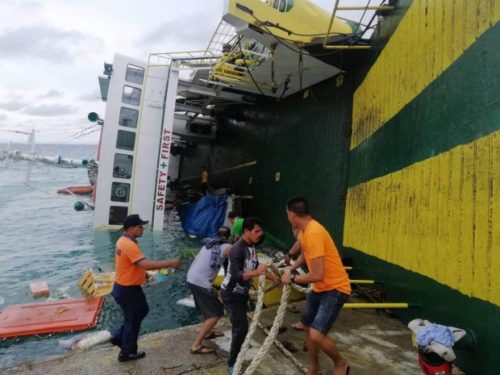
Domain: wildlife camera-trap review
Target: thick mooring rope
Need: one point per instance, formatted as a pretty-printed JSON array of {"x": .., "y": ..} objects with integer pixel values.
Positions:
[
  {"x": 272, "y": 333},
  {"x": 301, "y": 288},
  {"x": 253, "y": 326},
  {"x": 285, "y": 351}
]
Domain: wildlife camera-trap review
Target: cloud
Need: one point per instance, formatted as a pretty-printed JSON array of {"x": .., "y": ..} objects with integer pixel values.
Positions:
[
  {"x": 3, "y": 117},
  {"x": 25, "y": 4},
  {"x": 12, "y": 105},
  {"x": 31, "y": 5},
  {"x": 49, "y": 110},
  {"x": 177, "y": 32},
  {"x": 51, "y": 94},
  {"x": 46, "y": 43},
  {"x": 91, "y": 97}
]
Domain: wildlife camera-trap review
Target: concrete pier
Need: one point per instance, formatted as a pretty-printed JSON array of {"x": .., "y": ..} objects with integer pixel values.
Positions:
[{"x": 371, "y": 341}]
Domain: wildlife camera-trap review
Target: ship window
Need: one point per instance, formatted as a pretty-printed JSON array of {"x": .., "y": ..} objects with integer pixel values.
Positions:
[
  {"x": 117, "y": 214},
  {"x": 131, "y": 95},
  {"x": 122, "y": 167},
  {"x": 134, "y": 74},
  {"x": 283, "y": 5},
  {"x": 128, "y": 117},
  {"x": 125, "y": 140},
  {"x": 120, "y": 192}
]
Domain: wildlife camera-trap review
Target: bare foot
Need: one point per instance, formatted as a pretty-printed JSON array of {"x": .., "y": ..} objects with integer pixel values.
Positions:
[
  {"x": 313, "y": 371},
  {"x": 341, "y": 369},
  {"x": 298, "y": 326}
]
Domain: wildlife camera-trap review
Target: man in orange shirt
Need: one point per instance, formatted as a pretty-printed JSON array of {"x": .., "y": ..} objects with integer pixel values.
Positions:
[
  {"x": 131, "y": 266},
  {"x": 331, "y": 285}
]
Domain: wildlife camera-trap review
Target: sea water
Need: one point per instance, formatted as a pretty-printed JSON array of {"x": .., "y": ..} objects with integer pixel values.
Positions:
[{"x": 44, "y": 238}]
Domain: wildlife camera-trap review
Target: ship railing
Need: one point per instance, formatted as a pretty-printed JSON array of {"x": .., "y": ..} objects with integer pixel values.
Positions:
[
  {"x": 188, "y": 59},
  {"x": 332, "y": 41},
  {"x": 224, "y": 34},
  {"x": 236, "y": 63}
]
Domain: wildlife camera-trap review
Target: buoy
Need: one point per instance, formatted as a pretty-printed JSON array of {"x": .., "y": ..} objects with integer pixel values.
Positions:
[{"x": 79, "y": 206}]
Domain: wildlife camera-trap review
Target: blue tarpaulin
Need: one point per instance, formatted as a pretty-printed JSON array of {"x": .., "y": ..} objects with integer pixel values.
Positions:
[{"x": 205, "y": 216}]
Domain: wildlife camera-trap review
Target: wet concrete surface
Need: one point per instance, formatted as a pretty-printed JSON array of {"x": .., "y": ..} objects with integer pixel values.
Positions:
[{"x": 371, "y": 341}]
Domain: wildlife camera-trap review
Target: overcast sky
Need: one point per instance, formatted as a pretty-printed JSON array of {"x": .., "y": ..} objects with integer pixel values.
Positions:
[{"x": 51, "y": 52}]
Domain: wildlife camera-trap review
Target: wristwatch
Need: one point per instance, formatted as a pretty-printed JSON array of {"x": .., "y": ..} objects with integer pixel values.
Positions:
[{"x": 292, "y": 278}]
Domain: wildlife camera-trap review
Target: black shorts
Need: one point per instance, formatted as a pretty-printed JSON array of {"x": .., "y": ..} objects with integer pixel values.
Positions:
[{"x": 207, "y": 301}]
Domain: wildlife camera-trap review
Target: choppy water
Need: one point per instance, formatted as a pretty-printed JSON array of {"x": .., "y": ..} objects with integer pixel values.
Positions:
[{"x": 44, "y": 238}]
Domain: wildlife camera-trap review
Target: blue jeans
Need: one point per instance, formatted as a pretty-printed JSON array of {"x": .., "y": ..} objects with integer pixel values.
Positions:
[
  {"x": 135, "y": 308},
  {"x": 321, "y": 309}
]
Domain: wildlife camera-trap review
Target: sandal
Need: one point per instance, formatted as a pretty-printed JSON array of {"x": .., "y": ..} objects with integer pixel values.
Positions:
[
  {"x": 202, "y": 350},
  {"x": 298, "y": 326},
  {"x": 214, "y": 335}
]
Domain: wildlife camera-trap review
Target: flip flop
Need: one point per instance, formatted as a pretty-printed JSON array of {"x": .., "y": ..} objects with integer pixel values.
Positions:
[
  {"x": 298, "y": 326},
  {"x": 214, "y": 335},
  {"x": 202, "y": 350}
]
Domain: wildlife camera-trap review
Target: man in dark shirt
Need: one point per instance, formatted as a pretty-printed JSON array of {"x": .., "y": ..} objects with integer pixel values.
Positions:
[{"x": 243, "y": 266}]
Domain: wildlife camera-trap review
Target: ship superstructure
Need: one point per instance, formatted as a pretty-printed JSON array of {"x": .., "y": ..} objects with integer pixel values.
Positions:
[
  {"x": 156, "y": 105},
  {"x": 394, "y": 139}
]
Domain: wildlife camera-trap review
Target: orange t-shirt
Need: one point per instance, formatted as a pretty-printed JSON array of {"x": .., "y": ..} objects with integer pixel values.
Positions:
[
  {"x": 316, "y": 242},
  {"x": 128, "y": 253}
]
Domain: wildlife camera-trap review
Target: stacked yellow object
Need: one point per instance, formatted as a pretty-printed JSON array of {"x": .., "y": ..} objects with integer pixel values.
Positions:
[{"x": 96, "y": 284}]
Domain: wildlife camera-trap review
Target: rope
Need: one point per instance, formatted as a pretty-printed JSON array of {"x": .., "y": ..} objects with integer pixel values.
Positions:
[
  {"x": 253, "y": 326},
  {"x": 276, "y": 271},
  {"x": 253, "y": 292},
  {"x": 301, "y": 288},
  {"x": 272, "y": 333},
  {"x": 285, "y": 351}
]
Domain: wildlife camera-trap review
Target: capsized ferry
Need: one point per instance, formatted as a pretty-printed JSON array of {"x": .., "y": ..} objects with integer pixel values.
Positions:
[{"x": 388, "y": 125}]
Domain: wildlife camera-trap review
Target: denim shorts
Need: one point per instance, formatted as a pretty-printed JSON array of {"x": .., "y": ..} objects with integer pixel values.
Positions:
[{"x": 321, "y": 309}]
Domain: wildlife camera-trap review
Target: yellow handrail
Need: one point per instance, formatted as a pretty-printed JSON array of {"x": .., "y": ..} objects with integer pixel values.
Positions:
[
  {"x": 376, "y": 305},
  {"x": 362, "y": 281}
]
